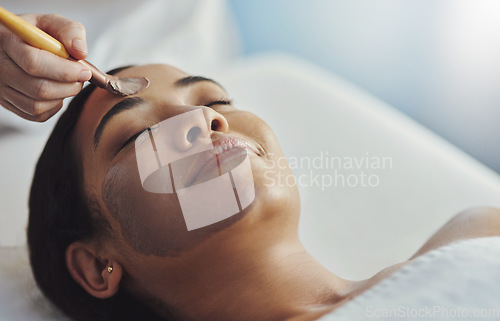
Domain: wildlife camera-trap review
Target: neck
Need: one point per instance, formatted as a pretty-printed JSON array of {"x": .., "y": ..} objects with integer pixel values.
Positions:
[{"x": 253, "y": 282}]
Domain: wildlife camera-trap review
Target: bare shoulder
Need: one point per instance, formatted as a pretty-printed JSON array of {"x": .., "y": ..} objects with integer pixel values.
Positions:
[{"x": 472, "y": 223}]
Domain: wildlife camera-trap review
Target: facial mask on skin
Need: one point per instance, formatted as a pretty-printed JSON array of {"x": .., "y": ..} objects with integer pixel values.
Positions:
[{"x": 212, "y": 181}]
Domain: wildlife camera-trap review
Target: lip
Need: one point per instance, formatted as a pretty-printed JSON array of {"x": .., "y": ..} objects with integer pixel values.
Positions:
[
  {"x": 230, "y": 152},
  {"x": 227, "y": 143}
]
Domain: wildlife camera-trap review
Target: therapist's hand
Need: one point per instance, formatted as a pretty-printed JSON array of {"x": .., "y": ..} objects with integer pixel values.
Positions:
[{"x": 33, "y": 82}]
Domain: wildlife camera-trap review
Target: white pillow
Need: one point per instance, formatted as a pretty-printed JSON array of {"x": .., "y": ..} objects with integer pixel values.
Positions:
[{"x": 20, "y": 298}]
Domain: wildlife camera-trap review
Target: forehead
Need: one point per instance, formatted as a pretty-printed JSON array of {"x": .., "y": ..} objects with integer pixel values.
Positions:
[
  {"x": 162, "y": 84},
  {"x": 161, "y": 77}
]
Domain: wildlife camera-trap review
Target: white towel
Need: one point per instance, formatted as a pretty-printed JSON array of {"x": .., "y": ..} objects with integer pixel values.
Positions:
[{"x": 460, "y": 281}]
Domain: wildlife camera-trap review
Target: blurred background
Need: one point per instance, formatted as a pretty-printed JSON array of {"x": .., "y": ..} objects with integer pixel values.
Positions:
[{"x": 437, "y": 61}]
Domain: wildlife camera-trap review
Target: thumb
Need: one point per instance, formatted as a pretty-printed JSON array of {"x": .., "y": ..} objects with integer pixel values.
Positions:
[{"x": 70, "y": 33}]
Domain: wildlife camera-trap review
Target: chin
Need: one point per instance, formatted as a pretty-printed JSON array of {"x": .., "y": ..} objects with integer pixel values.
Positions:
[{"x": 273, "y": 197}]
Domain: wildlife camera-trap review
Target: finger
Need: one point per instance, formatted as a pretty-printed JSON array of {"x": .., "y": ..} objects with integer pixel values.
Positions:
[
  {"x": 45, "y": 89},
  {"x": 43, "y": 64},
  {"x": 28, "y": 105},
  {"x": 72, "y": 34},
  {"x": 40, "y": 118},
  {"x": 10, "y": 107},
  {"x": 40, "y": 88}
]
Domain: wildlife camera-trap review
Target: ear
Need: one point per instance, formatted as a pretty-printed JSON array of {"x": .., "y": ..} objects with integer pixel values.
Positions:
[{"x": 90, "y": 272}]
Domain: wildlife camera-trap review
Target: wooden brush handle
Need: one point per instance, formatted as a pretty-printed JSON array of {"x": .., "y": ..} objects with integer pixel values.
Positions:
[{"x": 31, "y": 34}]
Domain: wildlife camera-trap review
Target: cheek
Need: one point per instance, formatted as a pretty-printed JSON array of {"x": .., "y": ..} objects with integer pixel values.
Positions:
[
  {"x": 146, "y": 219},
  {"x": 151, "y": 223},
  {"x": 253, "y": 127},
  {"x": 275, "y": 183}
]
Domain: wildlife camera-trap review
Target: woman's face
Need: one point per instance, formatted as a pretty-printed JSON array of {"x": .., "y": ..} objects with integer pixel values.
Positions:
[{"x": 151, "y": 224}]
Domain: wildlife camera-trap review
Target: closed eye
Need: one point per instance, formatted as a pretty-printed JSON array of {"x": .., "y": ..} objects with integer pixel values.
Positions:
[
  {"x": 128, "y": 141},
  {"x": 219, "y": 102}
]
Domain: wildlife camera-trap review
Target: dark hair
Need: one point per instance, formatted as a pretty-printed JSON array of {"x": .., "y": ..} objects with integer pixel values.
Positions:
[{"x": 60, "y": 213}]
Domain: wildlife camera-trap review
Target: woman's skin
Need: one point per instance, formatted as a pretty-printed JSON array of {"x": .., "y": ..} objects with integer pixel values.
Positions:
[{"x": 251, "y": 266}]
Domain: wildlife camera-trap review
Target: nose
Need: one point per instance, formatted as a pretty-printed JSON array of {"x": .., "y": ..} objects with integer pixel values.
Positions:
[
  {"x": 215, "y": 121},
  {"x": 197, "y": 130}
]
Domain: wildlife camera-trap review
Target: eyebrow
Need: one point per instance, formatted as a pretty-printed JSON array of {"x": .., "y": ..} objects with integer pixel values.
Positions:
[
  {"x": 132, "y": 102},
  {"x": 191, "y": 80},
  {"x": 125, "y": 104}
]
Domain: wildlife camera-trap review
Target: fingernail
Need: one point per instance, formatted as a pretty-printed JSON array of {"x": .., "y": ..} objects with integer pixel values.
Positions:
[
  {"x": 84, "y": 75},
  {"x": 79, "y": 45}
]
